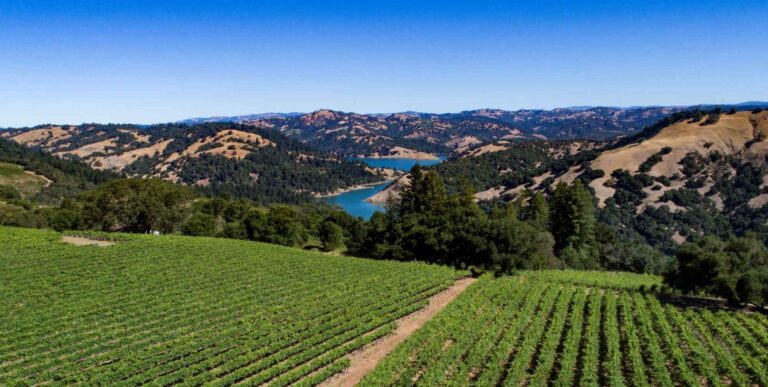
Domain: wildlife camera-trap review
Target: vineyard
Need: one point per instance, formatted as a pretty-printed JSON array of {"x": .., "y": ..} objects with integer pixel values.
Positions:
[
  {"x": 191, "y": 311},
  {"x": 563, "y": 329},
  {"x": 199, "y": 311}
]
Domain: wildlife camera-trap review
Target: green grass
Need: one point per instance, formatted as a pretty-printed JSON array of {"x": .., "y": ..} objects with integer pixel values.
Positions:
[
  {"x": 27, "y": 184},
  {"x": 599, "y": 279},
  {"x": 570, "y": 328},
  {"x": 180, "y": 310}
]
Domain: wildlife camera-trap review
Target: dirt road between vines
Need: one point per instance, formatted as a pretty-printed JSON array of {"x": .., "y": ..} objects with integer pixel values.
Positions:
[{"x": 365, "y": 360}]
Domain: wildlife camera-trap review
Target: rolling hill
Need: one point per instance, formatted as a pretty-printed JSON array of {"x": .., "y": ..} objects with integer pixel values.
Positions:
[
  {"x": 691, "y": 174},
  {"x": 39, "y": 177},
  {"x": 458, "y": 134},
  {"x": 242, "y": 160},
  {"x": 402, "y": 134},
  {"x": 168, "y": 310}
]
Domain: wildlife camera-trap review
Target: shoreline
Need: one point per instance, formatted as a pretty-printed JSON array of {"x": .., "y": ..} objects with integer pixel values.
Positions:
[
  {"x": 351, "y": 188},
  {"x": 428, "y": 157}
]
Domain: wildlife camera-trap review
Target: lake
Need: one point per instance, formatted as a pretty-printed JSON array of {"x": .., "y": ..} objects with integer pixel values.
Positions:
[
  {"x": 354, "y": 201},
  {"x": 399, "y": 164}
]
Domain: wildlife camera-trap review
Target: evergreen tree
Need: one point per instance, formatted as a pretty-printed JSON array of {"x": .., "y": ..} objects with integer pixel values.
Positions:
[
  {"x": 536, "y": 211},
  {"x": 572, "y": 218}
]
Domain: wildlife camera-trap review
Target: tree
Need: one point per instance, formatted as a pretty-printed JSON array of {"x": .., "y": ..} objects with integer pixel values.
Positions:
[
  {"x": 331, "y": 235},
  {"x": 572, "y": 218},
  {"x": 284, "y": 226},
  {"x": 199, "y": 224},
  {"x": 536, "y": 212},
  {"x": 9, "y": 193}
]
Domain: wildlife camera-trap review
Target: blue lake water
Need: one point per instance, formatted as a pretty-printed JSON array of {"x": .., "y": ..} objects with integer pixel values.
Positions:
[
  {"x": 399, "y": 164},
  {"x": 354, "y": 201}
]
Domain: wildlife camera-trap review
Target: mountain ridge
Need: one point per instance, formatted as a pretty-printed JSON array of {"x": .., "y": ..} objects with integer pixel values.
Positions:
[{"x": 350, "y": 134}]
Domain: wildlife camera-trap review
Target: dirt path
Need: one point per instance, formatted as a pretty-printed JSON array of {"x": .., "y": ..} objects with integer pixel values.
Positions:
[
  {"x": 78, "y": 241},
  {"x": 366, "y": 359}
]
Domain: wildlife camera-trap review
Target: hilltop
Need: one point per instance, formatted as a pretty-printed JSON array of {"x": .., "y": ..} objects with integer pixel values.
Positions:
[
  {"x": 383, "y": 135},
  {"x": 469, "y": 132}
]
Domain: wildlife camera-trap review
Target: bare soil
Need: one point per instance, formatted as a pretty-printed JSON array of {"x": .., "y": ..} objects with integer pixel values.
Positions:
[
  {"x": 78, "y": 241},
  {"x": 366, "y": 359}
]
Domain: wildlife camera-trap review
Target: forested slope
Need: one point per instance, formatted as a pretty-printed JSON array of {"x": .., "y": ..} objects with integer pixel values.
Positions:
[{"x": 239, "y": 160}]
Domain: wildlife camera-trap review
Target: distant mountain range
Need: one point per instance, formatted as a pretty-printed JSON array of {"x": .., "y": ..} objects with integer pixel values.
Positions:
[
  {"x": 246, "y": 117},
  {"x": 402, "y": 134}
]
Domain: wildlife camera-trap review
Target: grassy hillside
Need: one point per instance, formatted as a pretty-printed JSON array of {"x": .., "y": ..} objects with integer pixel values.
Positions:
[
  {"x": 42, "y": 178},
  {"x": 175, "y": 309},
  {"x": 25, "y": 183},
  {"x": 544, "y": 330}
]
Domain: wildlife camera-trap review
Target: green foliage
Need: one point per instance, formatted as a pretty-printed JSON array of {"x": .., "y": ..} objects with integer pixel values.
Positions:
[
  {"x": 136, "y": 205},
  {"x": 9, "y": 193},
  {"x": 653, "y": 159},
  {"x": 199, "y": 224},
  {"x": 633, "y": 257},
  {"x": 712, "y": 118},
  {"x": 692, "y": 163},
  {"x": 572, "y": 222},
  {"x": 566, "y": 328},
  {"x": 536, "y": 211},
  {"x": 178, "y": 310},
  {"x": 735, "y": 269},
  {"x": 430, "y": 225},
  {"x": 331, "y": 235}
]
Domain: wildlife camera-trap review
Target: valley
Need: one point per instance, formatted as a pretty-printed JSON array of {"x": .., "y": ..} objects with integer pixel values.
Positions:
[{"x": 368, "y": 193}]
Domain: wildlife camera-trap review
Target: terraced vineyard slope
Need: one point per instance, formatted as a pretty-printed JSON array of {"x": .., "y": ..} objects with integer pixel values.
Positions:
[
  {"x": 26, "y": 183},
  {"x": 190, "y": 311},
  {"x": 540, "y": 329}
]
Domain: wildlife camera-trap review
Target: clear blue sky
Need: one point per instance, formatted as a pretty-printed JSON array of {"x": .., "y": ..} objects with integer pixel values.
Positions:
[{"x": 157, "y": 61}]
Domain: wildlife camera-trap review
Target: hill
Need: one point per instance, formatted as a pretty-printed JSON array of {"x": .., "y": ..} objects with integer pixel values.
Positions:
[
  {"x": 381, "y": 135},
  {"x": 180, "y": 310},
  {"x": 546, "y": 328},
  {"x": 240, "y": 160},
  {"x": 694, "y": 173},
  {"x": 170, "y": 310},
  {"x": 35, "y": 176}
]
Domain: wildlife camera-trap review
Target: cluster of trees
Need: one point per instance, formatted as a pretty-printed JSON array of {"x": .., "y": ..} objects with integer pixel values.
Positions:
[
  {"x": 533, "y": 232},
  {"x": 309, "y": 226},
  {"x": 273, "y": 175},
  {"x": 735, "y": 269},
  {"x": 428, "y": 224},
  {"x": 144, "y": 205}
]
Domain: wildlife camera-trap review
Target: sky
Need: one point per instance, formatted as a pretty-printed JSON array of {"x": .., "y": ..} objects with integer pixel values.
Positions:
[{"x": 139, "y": 61}]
